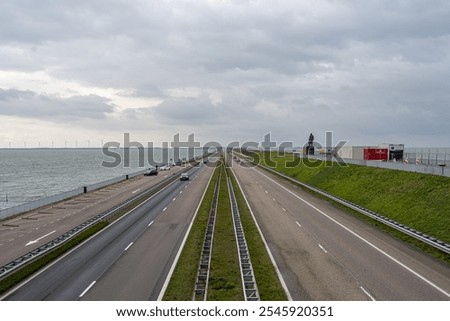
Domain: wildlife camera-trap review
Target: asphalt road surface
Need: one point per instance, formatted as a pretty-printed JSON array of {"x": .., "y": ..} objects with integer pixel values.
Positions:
[
  {"x": 135, "y": 251},
  {"x": 325, "y": 253},
  {"x": 23, "y": 233},
  {"x": 322, "y": 252}
]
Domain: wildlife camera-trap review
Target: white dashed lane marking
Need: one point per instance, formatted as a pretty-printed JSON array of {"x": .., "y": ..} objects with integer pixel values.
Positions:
[
  {"x": 87, "y": 289},
  {"x": 129, "y": 245}
]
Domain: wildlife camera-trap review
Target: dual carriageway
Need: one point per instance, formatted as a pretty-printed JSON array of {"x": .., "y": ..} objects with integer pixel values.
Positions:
[{"x": 320, "y": 251}]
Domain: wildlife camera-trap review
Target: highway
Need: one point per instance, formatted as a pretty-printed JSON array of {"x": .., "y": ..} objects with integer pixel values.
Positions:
[
  {"x": 325, "y": 253},
  {"x": 135, "y": 252},
  {"x": 25, "y": 232},
  {"x": 322, "y": 252}
]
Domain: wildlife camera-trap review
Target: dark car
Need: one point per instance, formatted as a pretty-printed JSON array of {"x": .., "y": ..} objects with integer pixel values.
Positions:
[{"x": 151, "y": 172}]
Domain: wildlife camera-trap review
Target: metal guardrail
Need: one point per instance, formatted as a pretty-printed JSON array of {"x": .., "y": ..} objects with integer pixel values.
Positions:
[
  {"x": 31, "y": 256},
  {"x": 249, "y": 285},
  {"x": 430, "y": 240},
  {"x": 201, "y": 284}
]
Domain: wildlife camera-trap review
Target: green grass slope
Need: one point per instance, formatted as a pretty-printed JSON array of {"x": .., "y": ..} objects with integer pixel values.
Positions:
[{"x": 421, "y": 201}]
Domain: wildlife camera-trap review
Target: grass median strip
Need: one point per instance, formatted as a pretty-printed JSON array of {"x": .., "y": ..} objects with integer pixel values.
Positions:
[
  {"x": 225, "y": 279},
  {"x": 269, "y": 286},
  {"x": 181, "y": 285},
  {"x": 225, "y": 283}
]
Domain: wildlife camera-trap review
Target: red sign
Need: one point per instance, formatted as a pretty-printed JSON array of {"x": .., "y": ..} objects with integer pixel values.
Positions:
[{"x": 380, "y": 154}]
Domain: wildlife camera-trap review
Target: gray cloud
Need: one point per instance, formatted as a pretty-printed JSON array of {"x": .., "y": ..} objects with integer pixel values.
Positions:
[
  {"x": 366, "y": 70},
  {"x": 31, "y": 105}
]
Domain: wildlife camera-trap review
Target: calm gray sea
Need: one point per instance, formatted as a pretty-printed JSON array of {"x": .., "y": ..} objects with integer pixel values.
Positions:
[{"x": 30, "y": 174}]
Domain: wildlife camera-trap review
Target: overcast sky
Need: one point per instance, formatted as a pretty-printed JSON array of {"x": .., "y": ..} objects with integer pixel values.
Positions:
[{"x": 85, "y": 72}]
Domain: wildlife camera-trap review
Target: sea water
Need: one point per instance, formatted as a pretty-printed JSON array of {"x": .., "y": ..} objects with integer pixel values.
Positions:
[{"x": 30, "y": 174}]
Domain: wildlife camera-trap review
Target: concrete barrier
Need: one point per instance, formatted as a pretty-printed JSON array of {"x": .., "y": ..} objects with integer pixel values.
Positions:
[
  {"x": 22, "y": 208},
  {"x": 29, "y": 206}
]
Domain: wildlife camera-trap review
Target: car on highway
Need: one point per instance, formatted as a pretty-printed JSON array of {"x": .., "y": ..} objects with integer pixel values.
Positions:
[
  {"x": 184, "y": 177},
  {"x": 151, "y": 172}
]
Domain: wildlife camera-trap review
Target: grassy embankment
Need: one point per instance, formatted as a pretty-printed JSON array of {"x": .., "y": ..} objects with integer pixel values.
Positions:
[
  {"x": 225, "y": 281},
  {"x": 420, "y": 201}
]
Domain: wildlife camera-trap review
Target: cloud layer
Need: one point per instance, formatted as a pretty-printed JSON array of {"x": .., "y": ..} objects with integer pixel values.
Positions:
[{"x": 371, "y": 72}]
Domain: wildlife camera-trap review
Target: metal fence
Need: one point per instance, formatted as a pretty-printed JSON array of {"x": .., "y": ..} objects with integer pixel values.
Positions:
[
  {"x": 426, "y": 158},
  {"x": 441, "y": 168},
  {"x": 408, "y": 167},
  {"x": 22, "y": 208}
]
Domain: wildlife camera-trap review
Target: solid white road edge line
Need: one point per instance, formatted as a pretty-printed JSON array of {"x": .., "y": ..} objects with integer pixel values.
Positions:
[
  {"x": 177, "y": 257},
  {"x": 367, "y": 293},
  {"x": 323, "y": 249},
  {"x": 360, "y": 237},
  {"x": 274, "y": 263},
  {"x": 77, "y": 247}
]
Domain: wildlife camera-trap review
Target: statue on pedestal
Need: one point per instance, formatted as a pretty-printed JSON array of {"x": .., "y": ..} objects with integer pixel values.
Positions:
[{"x": 310, "y": 147}]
